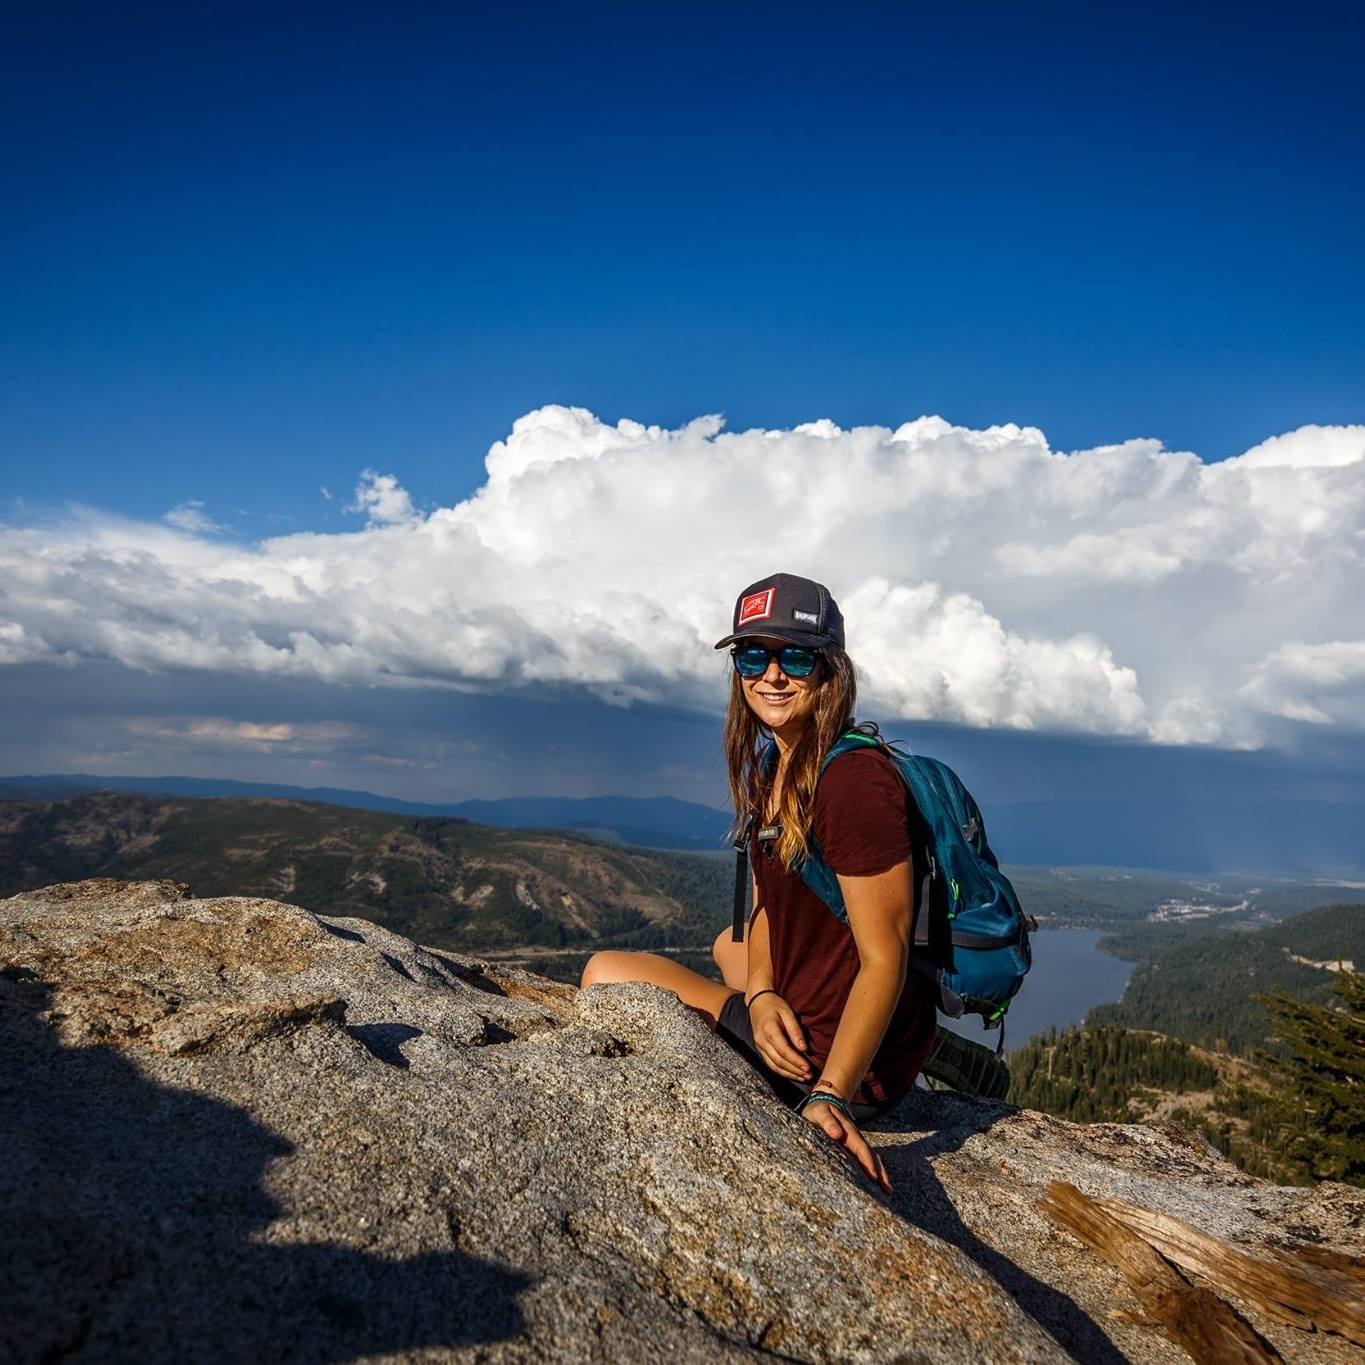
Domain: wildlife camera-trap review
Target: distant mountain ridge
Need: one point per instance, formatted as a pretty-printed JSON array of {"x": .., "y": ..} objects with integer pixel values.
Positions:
[
  {"x": 451, "y": 882},
  {"x": 645, "y": 822},
  {"x": 1147, "y": 826}
]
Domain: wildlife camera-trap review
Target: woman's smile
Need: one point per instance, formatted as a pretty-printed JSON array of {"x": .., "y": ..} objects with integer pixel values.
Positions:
[{"x": 782, "y": 703}]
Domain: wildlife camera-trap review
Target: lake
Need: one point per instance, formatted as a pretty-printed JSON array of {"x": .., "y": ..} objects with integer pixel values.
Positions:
[{"x": 1068, "y": 976}]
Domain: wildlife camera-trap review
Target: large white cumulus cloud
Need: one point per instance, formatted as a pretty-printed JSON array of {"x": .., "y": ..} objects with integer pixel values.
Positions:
[{"x": 985, "y": 578}]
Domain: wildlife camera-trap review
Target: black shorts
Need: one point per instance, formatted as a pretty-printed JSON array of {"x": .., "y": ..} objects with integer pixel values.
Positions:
[{"x": 733, "y": 1026}]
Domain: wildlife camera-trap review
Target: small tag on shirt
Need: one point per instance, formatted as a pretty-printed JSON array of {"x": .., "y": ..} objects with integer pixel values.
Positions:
[{"x": 769, "y": 832}]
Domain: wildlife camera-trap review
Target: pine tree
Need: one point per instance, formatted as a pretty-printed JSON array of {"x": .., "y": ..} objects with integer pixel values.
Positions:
[{"x": 1317, "y": 1115}]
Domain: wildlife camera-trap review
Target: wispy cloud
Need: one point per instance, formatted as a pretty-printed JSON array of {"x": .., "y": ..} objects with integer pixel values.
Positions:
[
  {"x": 986, "y": 578},
  {"x": 191, "y": 517},
  {"x": 223, "y": 734},
  {"x": 393, "y": 761}
]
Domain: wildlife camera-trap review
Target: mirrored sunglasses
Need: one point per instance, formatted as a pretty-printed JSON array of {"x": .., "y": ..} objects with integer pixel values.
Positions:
[{"x": 796, "y": 661}]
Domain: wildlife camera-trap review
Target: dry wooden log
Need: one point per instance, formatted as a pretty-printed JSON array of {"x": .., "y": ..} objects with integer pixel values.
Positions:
[
  {"x": 1338, "y": 1262},
  {"x": 1211, "y": 1331},
  {"x": 1307, "y": 1289}
]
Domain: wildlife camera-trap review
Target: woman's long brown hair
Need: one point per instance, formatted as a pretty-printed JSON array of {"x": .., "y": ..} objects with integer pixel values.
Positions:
[{"x": 746, "y": 739}]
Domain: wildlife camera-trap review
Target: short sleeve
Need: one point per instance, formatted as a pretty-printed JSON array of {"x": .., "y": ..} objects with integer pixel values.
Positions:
[{"x": 861, "y": 815}]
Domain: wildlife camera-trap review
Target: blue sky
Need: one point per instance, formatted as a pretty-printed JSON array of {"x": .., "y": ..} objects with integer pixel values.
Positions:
[{"x": 254, "y": 252}]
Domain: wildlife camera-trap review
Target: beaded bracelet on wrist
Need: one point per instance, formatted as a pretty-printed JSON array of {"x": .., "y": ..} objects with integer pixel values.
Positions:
[{"x": 825, "y": 1097}]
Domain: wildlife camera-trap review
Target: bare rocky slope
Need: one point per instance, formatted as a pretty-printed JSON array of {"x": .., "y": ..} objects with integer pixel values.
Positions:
[{"x": 235, "y": 1130}]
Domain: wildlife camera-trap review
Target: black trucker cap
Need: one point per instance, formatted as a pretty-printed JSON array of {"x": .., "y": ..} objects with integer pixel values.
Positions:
[{"x": 789, "y": 608}]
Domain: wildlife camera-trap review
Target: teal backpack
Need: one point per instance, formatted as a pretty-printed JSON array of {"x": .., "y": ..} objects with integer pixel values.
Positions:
[{"x": 970, "y": 934}]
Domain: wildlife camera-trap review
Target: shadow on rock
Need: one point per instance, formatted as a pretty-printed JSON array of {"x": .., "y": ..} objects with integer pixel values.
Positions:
[
  {"x": 131, "y": 1214},
  {"x": 945, "y": 1122}
]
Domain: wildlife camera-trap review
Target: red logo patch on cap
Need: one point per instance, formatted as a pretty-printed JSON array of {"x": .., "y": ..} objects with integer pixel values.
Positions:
[{"x": 758, "y": 606}]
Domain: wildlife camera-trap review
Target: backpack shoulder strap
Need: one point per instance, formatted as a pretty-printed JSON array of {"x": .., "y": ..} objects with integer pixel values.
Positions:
[
  {"x": 741, "y": 884},
  {"x": 815, "y": 872},
  {"x": 851, "y": 740},
  {"x": 766, "y": 761}
]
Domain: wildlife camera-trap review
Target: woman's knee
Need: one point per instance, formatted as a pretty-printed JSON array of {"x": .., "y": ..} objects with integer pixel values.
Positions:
[
  {"x": 718, "y": 948},
  {"x": 607, "y": 965},
  {"x": 732, "y": 958}
]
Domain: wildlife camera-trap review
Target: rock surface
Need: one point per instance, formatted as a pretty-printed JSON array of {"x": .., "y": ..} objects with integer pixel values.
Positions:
[{"x": 237, "y": 1131}]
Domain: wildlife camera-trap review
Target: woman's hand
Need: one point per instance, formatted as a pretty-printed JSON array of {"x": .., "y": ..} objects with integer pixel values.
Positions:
[
  {"x": 778, "y": 1036},
  {"x": 841, "y": 1129}
]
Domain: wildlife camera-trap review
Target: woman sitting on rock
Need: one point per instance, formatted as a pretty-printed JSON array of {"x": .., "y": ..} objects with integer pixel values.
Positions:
[{"x": 827, "y": 1012}]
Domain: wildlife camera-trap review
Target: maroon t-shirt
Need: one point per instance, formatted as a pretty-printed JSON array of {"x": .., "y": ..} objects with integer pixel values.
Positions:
[{"x": 862, "y": 827}]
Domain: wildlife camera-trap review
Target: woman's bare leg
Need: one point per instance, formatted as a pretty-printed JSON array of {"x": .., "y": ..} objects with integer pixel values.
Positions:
[
  {"x": 732, "y": 958},
  {"x": 695, "y": 991}
]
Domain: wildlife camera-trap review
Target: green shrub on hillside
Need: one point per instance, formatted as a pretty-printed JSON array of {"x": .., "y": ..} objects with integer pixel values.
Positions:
[
  {"x": 1315, "y": 1116},
  {"x": 1092, "y": 1075}
]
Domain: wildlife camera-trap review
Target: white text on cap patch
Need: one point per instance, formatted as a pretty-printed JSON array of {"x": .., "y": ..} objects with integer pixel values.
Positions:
[{"x": 758, "y": 606}]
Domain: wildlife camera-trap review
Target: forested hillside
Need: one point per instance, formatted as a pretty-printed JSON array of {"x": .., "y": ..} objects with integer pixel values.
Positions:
[
  {"x": 1279, "y": 1083},
  {"x": 1295, "y": 1112},
  {"x": 1118, "y": 1075},
  {"x": 1199, "y": 984},
  {"x": 1105, "y": 1074},
  {"x": 1329, "y": 933},
  {"x": 443, "y": 881}
]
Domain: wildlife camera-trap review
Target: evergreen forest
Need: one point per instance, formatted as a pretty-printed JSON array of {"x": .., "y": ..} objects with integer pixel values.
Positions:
[{"x": 1292, "y": 1111}]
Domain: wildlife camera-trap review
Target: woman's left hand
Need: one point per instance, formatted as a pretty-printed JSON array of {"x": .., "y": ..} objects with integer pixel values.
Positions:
[{"x": 841, "y": 1129}]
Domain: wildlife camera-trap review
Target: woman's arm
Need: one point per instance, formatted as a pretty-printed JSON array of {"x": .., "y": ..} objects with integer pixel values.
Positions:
[
  {"x": 778, "y": 1036},
  {"x": 760, "y": 956},
  {"x": 880, "y": 915}
]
